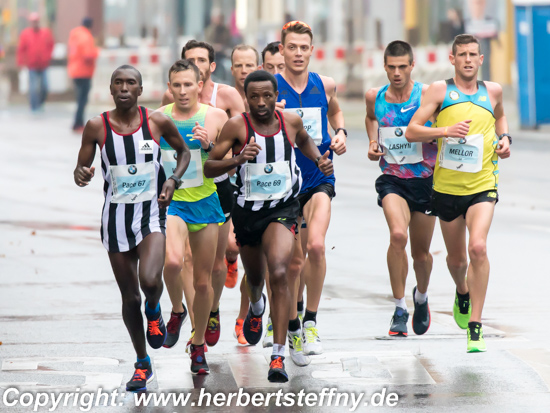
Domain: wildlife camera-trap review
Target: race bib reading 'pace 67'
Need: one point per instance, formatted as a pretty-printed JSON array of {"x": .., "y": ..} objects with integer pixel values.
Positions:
[
  {"x": 193, "y": 176},
  {"x": 312, "y": 119},
  {"x": 133, "y": 183},
  {"x": 462, "y": 154},
  {"x": 266, "y": 181},
  {"x": 398, "y": 150}
]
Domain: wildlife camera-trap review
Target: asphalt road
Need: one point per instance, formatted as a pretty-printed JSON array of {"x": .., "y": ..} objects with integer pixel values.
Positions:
[{"x": 61, "y": 327}]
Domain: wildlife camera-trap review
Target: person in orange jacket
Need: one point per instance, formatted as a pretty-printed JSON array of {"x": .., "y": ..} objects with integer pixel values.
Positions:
[
  {"x": 81, "y": 65},
  {"x": 34, "y": 51}
]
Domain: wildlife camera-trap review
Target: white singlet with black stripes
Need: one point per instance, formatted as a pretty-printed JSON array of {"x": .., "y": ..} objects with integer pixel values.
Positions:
[
  {"x": 275, "y": 148},
  {"x": 124, "y": 225}
]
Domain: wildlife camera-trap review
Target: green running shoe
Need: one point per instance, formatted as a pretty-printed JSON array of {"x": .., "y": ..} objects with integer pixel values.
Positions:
[
  {"x": 462, "y": 311},
  {"x": 476, "y": 343}
]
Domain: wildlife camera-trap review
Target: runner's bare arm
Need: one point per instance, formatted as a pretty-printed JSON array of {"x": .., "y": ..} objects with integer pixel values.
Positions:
[
  {"x": 167, "y": 98},
  {"x": 233, "y": 101},
  {"x": 335, "y": 116},
  {"x": 94, "y": 130},
  {"x": 307, "y": 146},
  {"x": 501, "y": 123},
  {"x": 371, "y": 124}
]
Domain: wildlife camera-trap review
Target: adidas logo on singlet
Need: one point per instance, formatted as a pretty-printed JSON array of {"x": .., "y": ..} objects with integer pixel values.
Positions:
[
  {"x": 315, "y": 91},
  {"x": 145, "y": 147}
]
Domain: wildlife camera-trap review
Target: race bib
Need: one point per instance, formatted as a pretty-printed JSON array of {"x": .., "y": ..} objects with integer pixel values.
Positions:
[
  {"x": 193, "y": 176},
  {"x": 266, "y": 181},
  {"x": 398, "y": 150},
  {"x": 462, "y": 154},
  {"x": 133, "y": 183},
  {"x": 313, "y": 122}
]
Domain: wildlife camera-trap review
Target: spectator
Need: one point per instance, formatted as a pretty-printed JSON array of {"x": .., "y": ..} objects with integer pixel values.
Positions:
[
  {"x": 34, "y": 52},
  {"x": 81, "y": 65}
]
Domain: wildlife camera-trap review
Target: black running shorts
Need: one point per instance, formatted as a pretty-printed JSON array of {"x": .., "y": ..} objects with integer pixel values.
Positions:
[
  {"x": 306, "y": 196},
  {"x": 416, "y": 191},
  {"x": 226, "y": 193},
  {"x": 450, "y": 207}
]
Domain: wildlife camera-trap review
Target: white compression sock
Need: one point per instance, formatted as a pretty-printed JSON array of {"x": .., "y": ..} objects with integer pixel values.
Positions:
[
  {"x": 400, "y": 302},
  {"x": 278, "y": 350},
  {"x": 419, "y": 297},
  {"x": 258, "y": 307}
]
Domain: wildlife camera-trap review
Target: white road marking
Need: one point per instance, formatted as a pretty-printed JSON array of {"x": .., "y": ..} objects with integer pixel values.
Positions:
[{"x": 173, "y": 372}]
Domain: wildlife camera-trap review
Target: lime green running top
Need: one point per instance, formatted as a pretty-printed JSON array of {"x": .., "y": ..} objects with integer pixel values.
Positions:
[{"x": 192, "y": 176}]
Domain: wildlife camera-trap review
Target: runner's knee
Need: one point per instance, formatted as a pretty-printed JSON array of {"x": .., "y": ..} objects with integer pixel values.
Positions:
[
  {"x": 398, "y": 239},
  {"x": 456, "y": 263},
  {"x": 172, "y": 266},
  {"x": 420, "y": 256},
  {"x": 202, "y": 286},
  {"x": 316, "y": 249},
  {"x": 477, "y": 250}
]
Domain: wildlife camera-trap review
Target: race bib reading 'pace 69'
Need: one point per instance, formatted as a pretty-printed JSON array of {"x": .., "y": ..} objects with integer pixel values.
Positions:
[
  {"x": 266, "y": 181},
  {"x": 133, "y": 183},
  {"x": 462, "y": 154},
  {"x": 193, "y": 176},
  {"x": 312, "y": 119},
  {"x": 398, "y": 150}
]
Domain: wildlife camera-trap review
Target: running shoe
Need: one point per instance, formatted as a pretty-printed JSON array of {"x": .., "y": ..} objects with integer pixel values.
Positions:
[
  {"x": 277, "y": 373},
  {"x": 421, "y": 318},
  {"x": 295, "y": 345},
  {"x": 212, "y": 333},
  {"x": 399, "y": 323},
  {"x": 252, "y": 326},
  {"x": 198, "y": 361},
  {"x": 312, "y": 342},
  {"x": 238, "y": 333},
  {"x": 268, "y": 338},
  {"x": 156, "y": 330},
  {"x": 476, "y": 342},
  {"x": 232, "y": 273},
  {"x": 174, "y": 326},
  {"x": 142, "y": 375},
  {"x": 462, "y": 310}
]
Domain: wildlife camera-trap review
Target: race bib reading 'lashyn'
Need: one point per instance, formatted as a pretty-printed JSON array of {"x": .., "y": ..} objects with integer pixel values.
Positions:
[
  {"x": 396, "y": 147},
  {"x": 133, "y": 183},
  {"x": 266, "y": 181},
  {"x": 313, "y": 124},
  {"x": 462, "y": 154},
  {"x": 193, "y": 176}
]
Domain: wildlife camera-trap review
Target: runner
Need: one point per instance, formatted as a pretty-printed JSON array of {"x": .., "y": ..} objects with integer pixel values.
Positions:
[
  {"x": 405, "y": 186},
  {"x": 273, "y": 61},
  {"x": 244, "y": 60},
  {"x": 195, "y": 208},
  {"x": 267, "y": 208},
  {"x": 228, "y": 99},
  {"x": 314, "y": 98},
  {"x": 472, "y": 132},
  {"x": 133, "y": 219}
]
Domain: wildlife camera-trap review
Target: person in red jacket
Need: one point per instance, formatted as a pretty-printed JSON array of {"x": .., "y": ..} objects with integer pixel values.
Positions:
[
  {"x": 34, "y": 51},
  {"x": 81, "y": 65}
]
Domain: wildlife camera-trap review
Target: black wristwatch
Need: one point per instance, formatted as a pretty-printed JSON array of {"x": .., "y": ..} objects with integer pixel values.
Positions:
[
  {"x": 176, "y": 180},
  {"x": 341, "y": 129},
  {"x": 317, "y": 161},
  {"x": 503, "y": 135},
  {"x": 210, "y": 147}
]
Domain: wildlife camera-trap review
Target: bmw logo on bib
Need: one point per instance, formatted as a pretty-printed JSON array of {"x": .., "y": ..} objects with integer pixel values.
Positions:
[
  {"x": 268, "y": 168},
  {"x": 132, "y": 169},
  {"x": 300, "y": 112},
  {"x": 398, "y": 132},
  {"x": 175, "y": 155}
]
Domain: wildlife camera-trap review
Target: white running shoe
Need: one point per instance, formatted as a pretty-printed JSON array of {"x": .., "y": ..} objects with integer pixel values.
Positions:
[
  {"x": 268, "y": 338},
  {"x": 312, "y": 342},
  {"x": 295, "y": 344}
]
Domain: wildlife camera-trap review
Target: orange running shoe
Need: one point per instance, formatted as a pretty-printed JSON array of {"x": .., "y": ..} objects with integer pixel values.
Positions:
[
  {"x": 232, "y": 273},
  {"x": 238, "y": 334}
]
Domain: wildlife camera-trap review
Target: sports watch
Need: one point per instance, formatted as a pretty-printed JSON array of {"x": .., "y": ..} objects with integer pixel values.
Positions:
[
  {"x": 176, "y": 180},
  {"x": 503, "y": 135},
  {"x": 341, "y": 129},
  {"x": 210, "y": 147}
]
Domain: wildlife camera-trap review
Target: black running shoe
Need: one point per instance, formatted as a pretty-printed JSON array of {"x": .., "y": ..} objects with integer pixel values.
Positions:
[
  {"x": 421, "y": 318},
  {"x": 174, "y": 326},
  {"x": 198, "y": 361},
  {"x": 142, "y": 376},
  {"x": 252, "y": 326},
  {"x": 277, "y": 373},
  {"x": 399, "y": 323},
  {"x": 156, "y": 330}
]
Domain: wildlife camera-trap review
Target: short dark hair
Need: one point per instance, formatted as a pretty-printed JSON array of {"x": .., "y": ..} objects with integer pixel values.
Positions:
[
  {"x": 245, "y": 47},
  {"x": 260, "y": 76},
  {"x": 125, "y": 67},
  {"x": 296, "y": 27},
  {"x": 272, "y": 48},
  {"x": 398, "y": 48},
  {"x": 182, "y": 65},
  {"x": 194, "y": 44},
  {"x": 465, "y": 39}
]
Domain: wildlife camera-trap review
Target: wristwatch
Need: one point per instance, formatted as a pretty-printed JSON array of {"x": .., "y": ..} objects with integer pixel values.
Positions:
[
  {"x": 341, "y": 129},
  {"x": 503, "y": 135},
  {"x": 210, "y": 147},
  {"x": 176, "y": 180},
  {"x": 317, "y": 161}
]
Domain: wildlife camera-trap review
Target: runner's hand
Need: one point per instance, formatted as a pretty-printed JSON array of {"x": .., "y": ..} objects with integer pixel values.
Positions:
[
  {"x": 250, "y": 151},
  {"x": 167, "y": 193},
  {"x": 374, "y": 153},
  {"x": 503, "y": 148},
  {"x": 325, "y": 164},
  {"x": 280, "y": 105},
  {"x": 338, "y": 143},
  {"x": 83, "y": 175},
  {"x": 459, "y": 130},
  {"x": 201, "y": 134}
]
